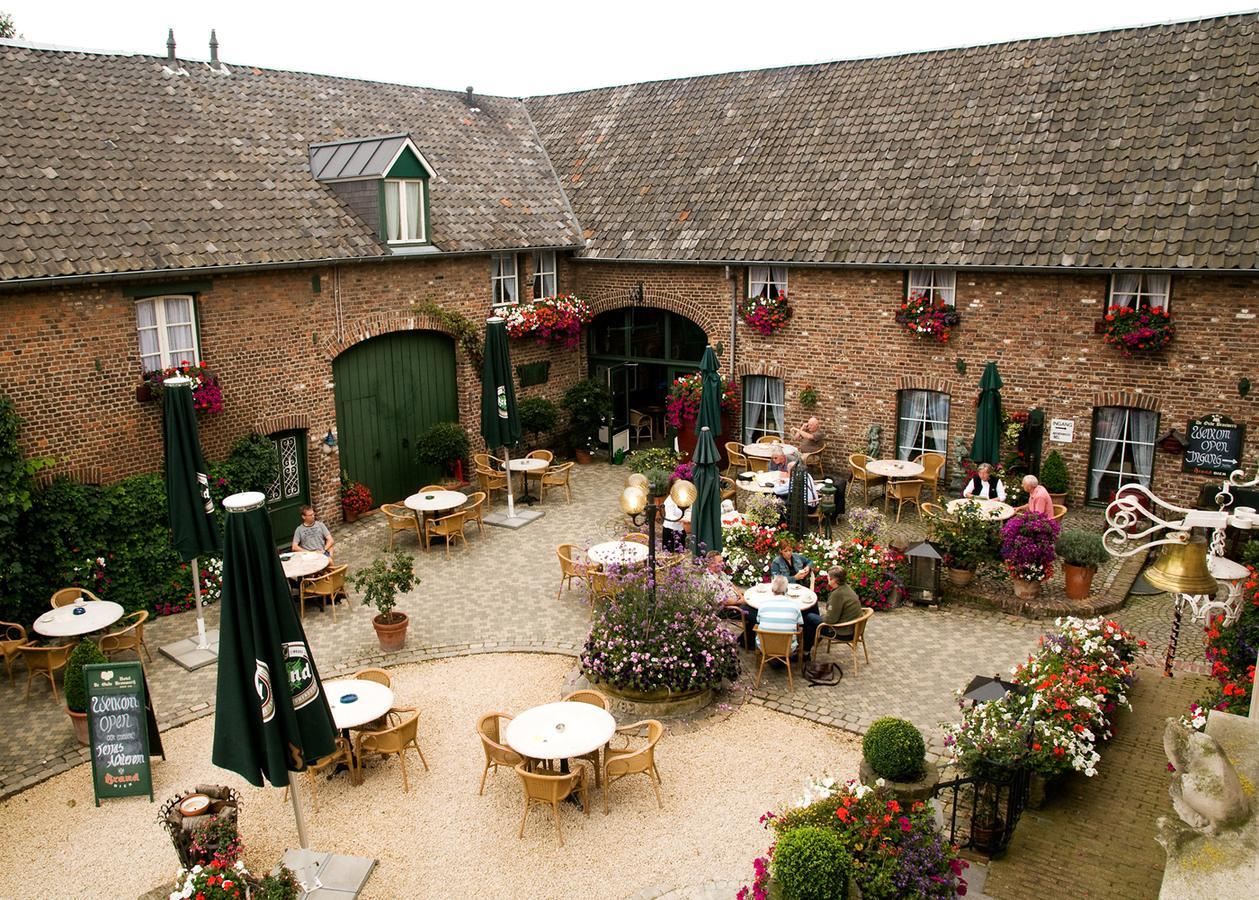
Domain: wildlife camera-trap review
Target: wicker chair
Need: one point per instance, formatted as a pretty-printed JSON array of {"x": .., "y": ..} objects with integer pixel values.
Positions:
[
  {"x": 831, "y": 633},
  {"x": 66, "y": 596},
  {"x": 431, "y": 487},
  {"x": 932, "y": 465},
  {"x": 735, "y": 615},
  {"x": 1059, "y": 512},
  {"x": 728, "y": 488},
  {"x": 770, "y": 439},
  {"x": 757, "y": 464},
  {"x": 908, "y": 490},
  {"x": 571, "y": 568},
  {"x": 815, "y": 459},
  {"x": 129, "y": 637},
  {"x": 737, "y": 461},
  {"x": 450, "y": 527},
  {"x": 44, "y": 661},
  {"x": 399, "y": 518},
  {"x": 380, "y": 676},
  {"x": 557, "y": 476},
  {"x": 490, "y": 480},
  {"x": 550, "y": 790},
  {"x": 393, "y": 741},
  {"x": 600, "y": 586},
  {"x": 777, "y": 645},
  {"x": 622, "y": 761},
  {"x": 474, "y": 510},
  {"x": 594, "y": 698},
  {"x": 636, "y": 537},
  {"x": 489, "y": 729},
  {"x": 326, "y": 588},
  {"x": 538, "y": 473},
  {"x": 933, "y": 511},
  {"x": 14, "y": 636},
  {"x": 859, "y": 475},
  {"x": 339, "y": 756},
  {"x": 640, "y": 421}
]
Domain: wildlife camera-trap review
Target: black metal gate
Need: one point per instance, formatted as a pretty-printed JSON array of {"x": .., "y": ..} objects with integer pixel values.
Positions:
[{"x": 981, "y": 814}]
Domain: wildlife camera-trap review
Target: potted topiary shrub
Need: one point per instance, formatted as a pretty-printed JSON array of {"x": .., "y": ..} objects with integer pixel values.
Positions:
[
  {"x": 444, "y": 446},
  {"x": 85, "y": 654},
  {"x": 967, "y": 539},
  {"x": 1082, "y": 552},
  {"x": 381, "y": 583},
  {"x": 1053, "y": 475},
  {"x": 538, "y": 416},
  {"x": 589, "y": 404},
  {"x": 893, "y": 749},
  {"x": 811, "y": 863}
]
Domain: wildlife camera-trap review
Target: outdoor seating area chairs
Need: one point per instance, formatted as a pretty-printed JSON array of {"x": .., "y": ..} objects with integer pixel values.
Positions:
[
  {"x": 130, "y": 637},
  {"x": 932, "y": 465},
  {"x": 12, "y": 638},
  {"x": 633, "y": 758},
  {"x": 68, "y": 595},
  {"x": 860, "y": 476},
  {"x": 399, "y": 736},
  {"x": 449, "y": 527},
  {"x": 830, "y": 633},
  {"x": 44, "y": 662},
  {"x": 327, "y": 587},
  {"x": 398, "y": 519},
  {"x": 907, "y": 491},
  {"x": 781, "y": 646},
  {"x": 557, "y": 477},
  {"x": 572, "y": 567},
  {"x": 489, "y": 729}
]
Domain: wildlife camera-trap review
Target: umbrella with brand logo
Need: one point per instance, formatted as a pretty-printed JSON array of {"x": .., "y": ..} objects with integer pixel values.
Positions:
[
  {"x": 987, "y": 446},
  {"x": 188, "y": 504},
  {"x": 271, "y": 716},
  {"x": 500, "y": 426},
  {"x": 706, "y": 510}
]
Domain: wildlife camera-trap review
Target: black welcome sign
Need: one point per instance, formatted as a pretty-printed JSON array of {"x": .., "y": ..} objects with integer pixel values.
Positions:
[
  {"x": 119, "y": 717},
  {"x": 1215, "y": 446}
]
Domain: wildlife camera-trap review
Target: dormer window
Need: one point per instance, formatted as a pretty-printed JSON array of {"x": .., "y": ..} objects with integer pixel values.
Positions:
[{"x": 404, "y": 211}]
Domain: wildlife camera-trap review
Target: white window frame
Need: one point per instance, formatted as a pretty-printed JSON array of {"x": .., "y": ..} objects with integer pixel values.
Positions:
[
  {"x": 774, "y": 279},
  {"x": 1152, "y": 290},
  {"x": 934, "y": 284},
  {"x": 167, "y": 354},
  {"x": 504, "y": 288},
  {"x": 1122, "y": 443},
  {"x": 750, "y": 433},
  {"x": 398, "y": 186},
  {"x": 913, "y": 451},
  {"x": 545, "y": 266}
]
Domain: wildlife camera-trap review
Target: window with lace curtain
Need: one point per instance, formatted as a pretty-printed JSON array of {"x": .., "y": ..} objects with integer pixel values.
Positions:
[
  {"x": 768, "y": 282},
  {"x": 505, "y": 289},
  {"x": 934, "y": 284},
  {"x": 167, "y": 328},
  {"x": 762, "y": 407},
  {"x": 404, "y": 211},
  {"x": 922, "y": 423},
  {"x": 545, "y": 283},
  {"x": 1121, "y": 451},
  {"x": 1140, "y": 290}
]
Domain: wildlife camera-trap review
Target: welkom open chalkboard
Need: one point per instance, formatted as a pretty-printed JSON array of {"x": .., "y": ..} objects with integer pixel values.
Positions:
[
  {"x": 1215, "y": 446},
  {"x": 118, "y": 726}
]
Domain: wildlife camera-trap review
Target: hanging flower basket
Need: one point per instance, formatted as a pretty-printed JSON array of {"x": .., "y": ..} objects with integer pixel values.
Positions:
[
  {"x": 766, "y": 314},
  {"x": 207, "y": 397},
  {"x": 682, "y": 406},
  {"x": 550, "y": 320},
  {"x": 925, "y": 318},
  {"x": 1138, "y": 331}
]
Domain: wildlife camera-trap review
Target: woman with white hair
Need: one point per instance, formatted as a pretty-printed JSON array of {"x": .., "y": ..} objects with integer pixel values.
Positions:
[{"x": 984, "y": 484}]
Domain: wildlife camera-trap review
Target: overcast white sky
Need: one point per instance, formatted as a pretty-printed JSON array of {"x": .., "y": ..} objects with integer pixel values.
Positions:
[{"x": 537, "y": 47}]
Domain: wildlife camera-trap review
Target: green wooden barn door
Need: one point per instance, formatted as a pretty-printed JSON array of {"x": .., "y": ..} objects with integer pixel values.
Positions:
[{"x": 388, "y": 391}]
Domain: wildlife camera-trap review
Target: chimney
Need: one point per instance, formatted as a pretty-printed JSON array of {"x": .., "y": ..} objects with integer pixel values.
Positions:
[
  {"x": 214, "y": 50},
  {"x": 170, "y": 45},
  {"x": 468, "y": 97}
]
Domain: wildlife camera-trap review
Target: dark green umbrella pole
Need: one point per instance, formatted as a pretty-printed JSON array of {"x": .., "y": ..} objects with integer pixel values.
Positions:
[
  {"x": 706, "y": 510},
  {"x": 797, "y": 511},
  {"x": 500, "y": 426}
]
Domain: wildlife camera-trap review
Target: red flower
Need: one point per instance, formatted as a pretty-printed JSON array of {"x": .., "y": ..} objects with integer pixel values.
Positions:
[{"x": 905, "y": 824}]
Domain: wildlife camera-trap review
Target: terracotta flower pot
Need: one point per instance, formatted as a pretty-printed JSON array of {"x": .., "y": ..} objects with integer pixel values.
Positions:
[
  {"x": 1058, "y": 499},
  {"x": 961, "y": 577},
  {"x": 79, "y": 721},
  {"x": 987, "y": 836},
  {"x": 1026, "y": 590},
  {"x": 349, "y": 516},
  {"x": 392, "y": 635},
  {"x": 582, "y": 456},
  {"x": 1079, "y": 580}
]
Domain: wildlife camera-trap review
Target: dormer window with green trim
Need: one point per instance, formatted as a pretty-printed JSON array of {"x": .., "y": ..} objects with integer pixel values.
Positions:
[{"x": 404, "y": 211}]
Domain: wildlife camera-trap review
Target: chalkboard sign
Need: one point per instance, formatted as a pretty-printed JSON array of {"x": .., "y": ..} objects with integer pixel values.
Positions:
[
  {"x": 117, "y": 717},
  {"x": 1215, "y": 446}
]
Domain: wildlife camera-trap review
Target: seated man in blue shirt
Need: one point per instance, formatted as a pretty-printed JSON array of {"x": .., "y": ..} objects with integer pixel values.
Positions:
[{"x": 779, "y": 614}]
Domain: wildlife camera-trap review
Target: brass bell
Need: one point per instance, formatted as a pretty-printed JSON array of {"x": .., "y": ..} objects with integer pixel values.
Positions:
[{"x": 1182, "y": 569}]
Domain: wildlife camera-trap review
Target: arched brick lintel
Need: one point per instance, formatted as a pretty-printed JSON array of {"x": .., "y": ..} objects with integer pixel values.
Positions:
[
  {"x": 1126, "y": 398},
  {"x": 382, "y": 323},
  {"x": 276, "y": 424},
  {"x": 760, "y": 367},
  {"x": 661, "y": 299},
  {"x": 924, "y": 383}
]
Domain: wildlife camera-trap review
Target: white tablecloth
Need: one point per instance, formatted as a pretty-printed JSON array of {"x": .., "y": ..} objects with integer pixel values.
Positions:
[
  {"x": 371, "y": 701},
  {"x": 798, "y": 594},
  {"x": 993, "y": 509},
  {"x": 303, "y": 563},
  {"x": 762, "y": 482},
  {"x": 620, "y": 553},
  {"x": 765, "y": 451},
  {"x": 584, "y": 729},
  {"x": 65, "y": 622},
  {"x": 435, "y": 501},
  {"x": 894, "y": 468},
  {"x": 526, "y": 464}
]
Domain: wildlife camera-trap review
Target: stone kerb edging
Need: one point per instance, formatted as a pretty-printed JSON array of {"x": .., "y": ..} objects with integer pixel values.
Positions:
[{"x": 1109, "y": 597}]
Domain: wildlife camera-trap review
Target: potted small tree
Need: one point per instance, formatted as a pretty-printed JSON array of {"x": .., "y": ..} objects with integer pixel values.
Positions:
[
  {"x": 444, "y": 446},
  {"x": 86, "y": 653},
  {"x": 1082, "y": 552},
  {"x": 538, "y": 416},
  {"x": 967, "y": 540},
  {"x": 381, "y": 583},
  {"x": 1053, "y": 475},
  {"x": 589, "y": 404}
]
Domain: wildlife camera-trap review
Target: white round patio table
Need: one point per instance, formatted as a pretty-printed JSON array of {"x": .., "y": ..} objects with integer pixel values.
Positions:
[
  {"x": 303, "y": 563},
  {"x": 528, "y": 464},
  {"x": 618, "y": 553},
  {"x": 798, "y": 594},
  {"x": 435, "y": 501},
  {"x": 561, "y": 730},
  {"x": 894, "y": 468},
  {"x": 992, "y": 509},
  {"x": 356, "y": 701},
  {"x": 762, "y": 482},
  {"x": 766, "y": 451},
  {"x": 65, "y": 622}
]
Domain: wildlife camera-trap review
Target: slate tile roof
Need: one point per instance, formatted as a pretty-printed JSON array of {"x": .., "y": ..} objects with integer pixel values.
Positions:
[
  {"x": 1128, "y": 148},
  {"x": 111, "y": 164}
]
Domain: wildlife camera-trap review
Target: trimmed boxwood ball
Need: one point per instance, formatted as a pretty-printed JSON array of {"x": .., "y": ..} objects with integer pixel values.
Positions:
[
  {"x": 811, "y": 863},
  {"x": 894, "y": 749},
  {"x": 86, "y": 653}
]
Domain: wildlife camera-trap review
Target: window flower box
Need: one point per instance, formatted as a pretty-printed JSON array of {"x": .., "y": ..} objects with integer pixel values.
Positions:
[
  {"x": 925, "y": 317},
  {"x": 1138, "y": 331}
]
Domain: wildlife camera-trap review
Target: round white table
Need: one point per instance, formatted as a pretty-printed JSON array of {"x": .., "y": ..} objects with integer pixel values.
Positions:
[
  {"x": 798, "y": 594},
  {"x": 78, "y": 618},
  {"x": 765, "y": 451},
  {"x": 303, "y": 563},
  {"x": 619, "y": 553},
  {"x": 561, "y": 730},
  {"x": 894, "y": 468},
  {"x": 356, "y": 701},
  {"x": 435, "y": 501},
  {"x": 992, "y": 509},
  {"x": 526, "y": 466}
]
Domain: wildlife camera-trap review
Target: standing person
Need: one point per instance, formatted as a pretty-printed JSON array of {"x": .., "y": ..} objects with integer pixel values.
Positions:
[
  {"x": 811, "y": 436},
  {"x": 984, "y": 484},
  {"x": 312, "y": 534},
  {"x": 1038, "y": 499},
  {"x": 672, "y": 530}
]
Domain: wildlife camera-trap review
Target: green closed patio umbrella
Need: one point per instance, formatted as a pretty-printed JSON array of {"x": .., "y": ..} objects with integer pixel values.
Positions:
[
  {"x": 706, "y": 510},
  {"x": 188, "y": 505},
  {"x": 987, "y": 445},
  {"x": 710, "y": 397},
  {"x": 500, "y": 425},
  {"x": 271, "y": 715}
]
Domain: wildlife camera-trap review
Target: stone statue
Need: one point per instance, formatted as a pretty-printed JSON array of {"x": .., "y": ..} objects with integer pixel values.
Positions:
[
  {"x": 874, "y": 439},
  {"x": 959, "y": 453},
  {"x": 1206, "y": 792}
]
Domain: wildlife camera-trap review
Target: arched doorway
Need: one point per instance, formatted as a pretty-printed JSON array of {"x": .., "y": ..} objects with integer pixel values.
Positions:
[
  {"x": 389, "y": 390},
  {"x": 638, "y": 351}
]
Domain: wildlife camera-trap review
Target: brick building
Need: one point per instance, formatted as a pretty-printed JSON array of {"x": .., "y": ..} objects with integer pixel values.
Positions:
[{"x": 312, "y": 228}]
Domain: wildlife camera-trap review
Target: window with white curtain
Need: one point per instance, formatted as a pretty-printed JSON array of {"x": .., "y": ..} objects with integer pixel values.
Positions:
[
  {"x": 767, "y": 282},
  {"x": 762, "y": 407},
  {"x": 1122, "y": 450},
  {"x": 934, "y": 284},
  {"x": 167, "y": 327},
  {"x": 545, "y": 283},
  {"x": 922, "y": 423},
  {"x": 404, "y": 211},
  {"x": 503, "y": 282},
  {"x": 1140, "y": 290}
]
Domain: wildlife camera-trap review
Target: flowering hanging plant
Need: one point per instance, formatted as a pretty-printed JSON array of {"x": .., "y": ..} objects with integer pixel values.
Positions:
[
  {"x": 1027, "y": 545},
  {"x": 356, "y": 499},
  {"x": 207, "y": 397},
  {"x": 93, "y": 572},
  {"x": 1136, "y": 331},
  {"x": 766, "y": 314},
  {"x": 1231, "y": 652},
  {"x": 551, "y": 320},
  {"x": 927, "y": 318},
  {"x": 682, "y": 405}
]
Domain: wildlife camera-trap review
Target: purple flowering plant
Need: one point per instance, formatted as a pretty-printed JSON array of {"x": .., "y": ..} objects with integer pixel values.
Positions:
[{"x": 1027, "y": 545}]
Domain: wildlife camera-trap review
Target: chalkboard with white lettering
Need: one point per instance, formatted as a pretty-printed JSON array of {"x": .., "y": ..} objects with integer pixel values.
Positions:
[
  {"x": 1215, "y": 446},
  {"x": 118, "y": 726}
]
